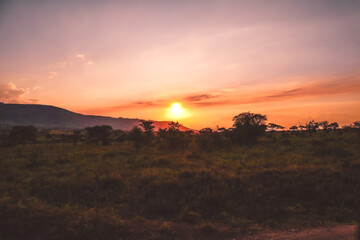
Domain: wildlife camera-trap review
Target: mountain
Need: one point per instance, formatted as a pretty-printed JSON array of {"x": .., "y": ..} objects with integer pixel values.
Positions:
[{"x": 50, "y": 117}]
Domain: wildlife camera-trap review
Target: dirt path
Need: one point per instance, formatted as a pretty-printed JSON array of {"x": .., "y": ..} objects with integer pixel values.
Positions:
[{"x": 345, "y": 232}]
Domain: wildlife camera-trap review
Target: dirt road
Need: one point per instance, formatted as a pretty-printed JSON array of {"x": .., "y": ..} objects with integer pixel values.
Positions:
[{"x": 343, "y": 232}]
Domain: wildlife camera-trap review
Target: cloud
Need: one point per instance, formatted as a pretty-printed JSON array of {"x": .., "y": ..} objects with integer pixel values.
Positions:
[
  {"x": 32, "y": 100},
  {"x": 84, "y": 58},
  {"x": 345, "y": 85},
  {"x": 81, "y": 56},
  {"x": 52, "y": 74},
  {"x": 341, "y": 86},
  {"x": 336, "y": 87},
  {"x": 147, "y": 103},
  {"x": 9, "y": 93},
  {"x": 198, "y": 97}
]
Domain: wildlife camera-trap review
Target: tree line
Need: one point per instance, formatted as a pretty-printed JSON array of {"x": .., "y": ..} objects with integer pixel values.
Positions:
[{"x": 246, "y": 130}]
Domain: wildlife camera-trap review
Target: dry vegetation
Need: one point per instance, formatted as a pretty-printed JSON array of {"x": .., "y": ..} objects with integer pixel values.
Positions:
[{"x": 181, "y": 186}]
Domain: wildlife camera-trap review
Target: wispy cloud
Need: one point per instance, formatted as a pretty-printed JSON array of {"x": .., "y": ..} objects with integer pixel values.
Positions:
[
  {"x": 239, "y": 96},
  {"x": 52, "y": 74},
  {"x": 331, "y": 87},
  {"x": 81, "y": 56},
  {"x": 198, "y": 97},
  {"x": 313, "y": 90}
]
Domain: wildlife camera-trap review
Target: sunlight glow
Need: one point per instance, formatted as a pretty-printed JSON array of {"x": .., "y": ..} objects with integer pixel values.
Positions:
[
  {"x": 176, "y": 109},
  {"x": 176, "y": 112}
]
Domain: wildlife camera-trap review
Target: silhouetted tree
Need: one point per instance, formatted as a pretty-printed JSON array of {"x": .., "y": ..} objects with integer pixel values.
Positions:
[
  {"x": 205, "y": 139},
  {"x": 302, "y": 127},
  {"x": 334, "y": 125},
  {"x": 220, "y": 129},
  {"x": 355, "y": 124},
  {"x": 205, "y": 130},
  {"x": 162, "y": 132},
  {"x": 325, "y": 126},
  {"x": 148, "y": 127},
  {"x": 248, "y": 127},
  {"x": 293, "y": 128},
  {"x": 272, "y": 127},
  {"x": 312, "y": 126},
  {"x": 174, "y": 126},
  {"x": 136, "y": 136},
  {"x": 99, "y": 133},
  {"x": 172, "y": 137},
  {"x": 22, "y": 135}
]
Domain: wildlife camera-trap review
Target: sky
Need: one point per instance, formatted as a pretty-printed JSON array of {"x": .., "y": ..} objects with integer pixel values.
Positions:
[{"x": 291, "y": 60}]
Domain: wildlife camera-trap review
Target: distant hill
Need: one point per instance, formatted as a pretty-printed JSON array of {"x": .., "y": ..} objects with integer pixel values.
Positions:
[{"x": 50, "y": 117}]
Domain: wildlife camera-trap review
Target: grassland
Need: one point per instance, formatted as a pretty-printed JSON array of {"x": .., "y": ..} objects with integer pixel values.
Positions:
[{"x": 54, "y": 189}]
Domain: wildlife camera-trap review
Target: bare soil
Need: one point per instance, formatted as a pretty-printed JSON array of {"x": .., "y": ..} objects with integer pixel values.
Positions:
[{"x": 343, "y": 232}]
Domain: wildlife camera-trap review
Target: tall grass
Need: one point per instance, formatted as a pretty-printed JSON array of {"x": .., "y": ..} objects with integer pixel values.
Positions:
[{"x": 59, "y": 190}]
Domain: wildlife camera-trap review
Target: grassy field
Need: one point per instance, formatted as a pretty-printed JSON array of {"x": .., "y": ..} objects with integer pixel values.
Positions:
[{"x": 59, "y": 190}]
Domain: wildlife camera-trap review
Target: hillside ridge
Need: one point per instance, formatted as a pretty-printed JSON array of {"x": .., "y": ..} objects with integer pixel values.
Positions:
[{"x": 52, "y": 117}]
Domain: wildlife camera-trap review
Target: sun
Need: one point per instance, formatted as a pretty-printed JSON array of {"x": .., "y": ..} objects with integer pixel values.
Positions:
[{"x": 176, "y": 111}]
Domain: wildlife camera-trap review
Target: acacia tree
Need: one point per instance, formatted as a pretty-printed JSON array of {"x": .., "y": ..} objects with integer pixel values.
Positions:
[
  {"x": 174, "y": 127},
  {"x": 172, "y": 138},
  {"x": 325, "y": 126},
  {"x": 99, "y": 133},
  {"x": 312, "y": 126},
  {"x": 294, "y": 128},
  {"x": 148, "y": 127},
  {"x": 206, "y": 131},
  {"x": 248, "y": 127},
  {"x": 302, "y": 127},
  {"x": 272, "y": 127},
  {"x": 355, "y": 124},
  {"x": 334, "y": 125}
]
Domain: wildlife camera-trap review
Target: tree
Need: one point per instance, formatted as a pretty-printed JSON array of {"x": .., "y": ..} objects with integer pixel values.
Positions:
[
  {"x": 355, "y": 124},
  {"x": 312, "y": 126},
  {"x": 162, "y": 132},
  {"x": 21, "y": 135},
  {"x": 248, "y": 127},
  {"x": 172, "y": 138},
  {"x": 136, "y": 136},
  {"x": 272, "y": 127},
  {"x": 99, "y": 133},
  {"x": 174, "y": 126},
  {"x": 148, "y": 127},
  {"x": 302, "y": 127},
  {"x": 325, "y": 126},
  {"x": 294, "y": 128},
  {"x": 334, "y": 125},
  {"x": 206, "y": 130}
]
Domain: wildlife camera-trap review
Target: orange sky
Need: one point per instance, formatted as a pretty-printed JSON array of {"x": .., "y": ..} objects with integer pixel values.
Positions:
[{"x": 291, "y": 60}]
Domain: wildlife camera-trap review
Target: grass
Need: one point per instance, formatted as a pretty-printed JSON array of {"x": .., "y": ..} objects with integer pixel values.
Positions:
[{"x": 57, "y": 190}]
